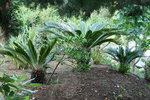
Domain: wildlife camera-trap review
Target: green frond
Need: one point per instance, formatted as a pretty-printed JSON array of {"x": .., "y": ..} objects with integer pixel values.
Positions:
[
  {"x": 33, "y": 51},
  {"x": 12, "y": 55}
]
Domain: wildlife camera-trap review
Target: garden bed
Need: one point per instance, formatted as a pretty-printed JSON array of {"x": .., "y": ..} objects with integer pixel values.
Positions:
[{"x": 100, "y": 83}]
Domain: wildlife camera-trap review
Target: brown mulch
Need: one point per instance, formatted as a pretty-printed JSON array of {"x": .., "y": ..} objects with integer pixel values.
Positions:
[{"x": 100, "y": 83}]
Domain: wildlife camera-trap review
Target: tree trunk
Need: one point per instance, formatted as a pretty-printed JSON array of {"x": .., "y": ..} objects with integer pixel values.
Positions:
[{"x": 38, "y": 75}]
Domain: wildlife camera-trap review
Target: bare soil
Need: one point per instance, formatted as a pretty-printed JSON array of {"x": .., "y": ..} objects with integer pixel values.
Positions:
[{"x": 99, "y": 83}]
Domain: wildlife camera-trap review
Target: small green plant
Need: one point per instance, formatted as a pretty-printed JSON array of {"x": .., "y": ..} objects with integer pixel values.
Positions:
[
  {"x": 124, "y": 56},
  {"x": 123, "y": 88},
  {"x": 13, "y": 87},
  {"x": 80, "y": 58},
  {"x": 82, "y": 39},
  {"x": 55, "y": 81},
  {"x": 141, "y": 94},
  {"x": 119, "y": 96},
  {"x": 28, "y": 56}
]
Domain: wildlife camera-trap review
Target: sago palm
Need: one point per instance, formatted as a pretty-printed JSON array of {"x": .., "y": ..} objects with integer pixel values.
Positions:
[
  {"x": 124, "y": 56},
  {"x": 28, "y": 55},
  {"x": 82, "y": 38},
  {"x": 88, "y": 36}
]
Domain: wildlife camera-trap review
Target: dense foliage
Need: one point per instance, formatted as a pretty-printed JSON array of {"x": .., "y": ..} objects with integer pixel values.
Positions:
[{"x": 135, "y": 20}]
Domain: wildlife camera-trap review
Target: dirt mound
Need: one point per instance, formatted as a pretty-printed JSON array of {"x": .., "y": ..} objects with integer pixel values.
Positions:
[{"x": 100, "y": 83}]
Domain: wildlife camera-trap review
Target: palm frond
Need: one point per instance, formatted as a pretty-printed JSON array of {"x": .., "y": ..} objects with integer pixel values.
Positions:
[
  {"x": 83, "y": 28},
  {"x": 32, "y": 51},
  {"x": 12, "y": 55}
]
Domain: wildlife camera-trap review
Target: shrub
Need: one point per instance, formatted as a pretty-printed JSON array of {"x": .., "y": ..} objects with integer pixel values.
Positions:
[
  {"x": 29, "y": 21},
  {"x": 81, "y": 57},
  {"x": 134, "y": 19},
  {"x": 124, "y": 56}
]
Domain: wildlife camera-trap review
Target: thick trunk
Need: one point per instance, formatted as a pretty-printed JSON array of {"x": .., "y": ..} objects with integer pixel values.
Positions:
[{"x": 38, "y": 75}]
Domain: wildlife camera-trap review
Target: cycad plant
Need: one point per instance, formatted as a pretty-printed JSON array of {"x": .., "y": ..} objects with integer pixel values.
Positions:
[
  {"x": 82, "y": 38},
  {"x": 27, "y": 55},
  {"x": 124, "y": 56}
]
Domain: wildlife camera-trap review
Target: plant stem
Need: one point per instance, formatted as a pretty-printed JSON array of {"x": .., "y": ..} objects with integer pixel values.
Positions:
[{"x": 55, "y": 70}]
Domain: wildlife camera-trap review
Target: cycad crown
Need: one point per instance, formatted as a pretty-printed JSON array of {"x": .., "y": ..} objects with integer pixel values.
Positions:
[
  {"x": 92, "y": 35},
  {"x": 124, "y": 55}
]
